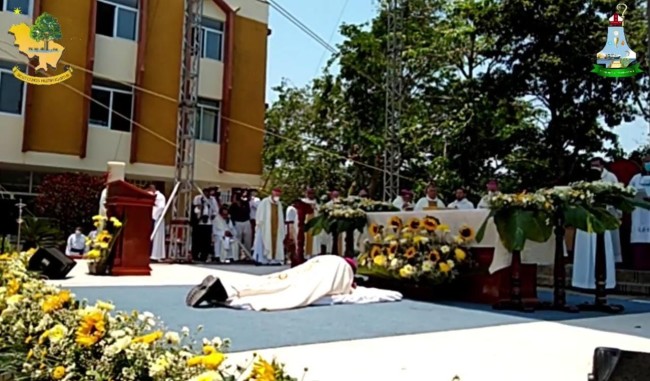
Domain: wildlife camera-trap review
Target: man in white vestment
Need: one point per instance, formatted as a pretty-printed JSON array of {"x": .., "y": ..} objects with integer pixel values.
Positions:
[
  {"x": 102, "y": 202},
  {"x": 158, "y": 242},
  {"x": 430, "y": 201},
  {"x": 461, "y": 201},
  {"x": 225, "y": 245},
  {"x": 76, "y": 244},
  {"x": 324, "y": 279},
  {"x": 291, "y": 221},
  {"x": 492, "y": 190},
  {"x": 270, "y": 230},
  {"x": 584, "y": 252},
  {"x": 640, "y": 234}
]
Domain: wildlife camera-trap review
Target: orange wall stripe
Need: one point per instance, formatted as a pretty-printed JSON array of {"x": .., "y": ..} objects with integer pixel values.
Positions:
[
  {"x": 227, "y": 82},
  {"x": 88, "y": 86},
  {"x": 139, "y": 75}
]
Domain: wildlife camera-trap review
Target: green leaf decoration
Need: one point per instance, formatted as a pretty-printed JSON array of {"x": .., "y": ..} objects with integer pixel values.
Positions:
[{"x": 515, "y": 226}]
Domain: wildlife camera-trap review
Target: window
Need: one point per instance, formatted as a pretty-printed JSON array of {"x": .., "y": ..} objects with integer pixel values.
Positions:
[
  {"x": 208, "y": 121},
  {"x": 115, "y": 108},
  {"x": 117, "y": 18},
  {"x": 212, "y": 44},
  {"x": 11, "y": 5},
  {"x": 11, "y": 90}
]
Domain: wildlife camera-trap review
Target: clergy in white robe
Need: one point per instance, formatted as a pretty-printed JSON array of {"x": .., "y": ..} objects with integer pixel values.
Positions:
[
  {"x": 223, "y": 235},
  {"x": 493, "y": 190},
  {"x": 270, "y": 230},
  {"x": 291, "y": 222},
  {"x": 584, "y": 252},
  {"x": 430, "y": 201},
  {"x": 76, "y": 244},
  {"x": 461, "y": 201},
  {"x": 158, "y": 241},
  {"x": 640, "y": 234},
  {"x": 102, "y": 202}
]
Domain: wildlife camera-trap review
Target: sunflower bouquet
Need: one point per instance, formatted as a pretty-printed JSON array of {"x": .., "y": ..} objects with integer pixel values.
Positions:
[
  {"x": 422, "y": 250},
  {"x": 101, "y": 245},
  {"x": 45, "y": 334}
]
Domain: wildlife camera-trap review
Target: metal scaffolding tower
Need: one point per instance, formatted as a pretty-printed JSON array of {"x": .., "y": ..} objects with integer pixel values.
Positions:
[
  {"x": 180, "y": 228},
  {"x": 394, "y": 90}
]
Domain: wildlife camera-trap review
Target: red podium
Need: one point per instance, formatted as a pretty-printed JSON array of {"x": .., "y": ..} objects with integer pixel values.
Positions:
[{"x": 132, "y": 206}]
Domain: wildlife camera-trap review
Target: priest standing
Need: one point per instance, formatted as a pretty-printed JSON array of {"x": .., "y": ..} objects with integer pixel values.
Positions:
[
  {"x": 640, "y": 237},
  {"x": 493, "y": 190},
  {"x": 158, "y": 241},
  {"x": 430, "y": 201},
  {"x": 270, "y": 230},
  {"x": 584, "y": 261}
]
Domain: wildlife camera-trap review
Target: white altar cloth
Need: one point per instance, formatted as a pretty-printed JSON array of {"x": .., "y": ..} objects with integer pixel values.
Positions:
[{"x": 537, "y": 253}]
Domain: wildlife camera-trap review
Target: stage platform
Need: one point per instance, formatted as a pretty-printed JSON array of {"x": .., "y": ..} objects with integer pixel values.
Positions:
[{"x": 408, "y": 340}]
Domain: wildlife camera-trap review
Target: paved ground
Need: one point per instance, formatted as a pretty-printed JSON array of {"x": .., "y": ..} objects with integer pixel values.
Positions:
[{"x": 399, "y": 341}]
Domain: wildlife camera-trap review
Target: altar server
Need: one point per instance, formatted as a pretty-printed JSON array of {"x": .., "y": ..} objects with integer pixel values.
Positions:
[
  {"x": 584, "y": 253},
  {"x": 640, "y": 237},
  {"x": 493, "y": 190},
  {"x": 431, "y": 201},
  {"x": 270, "y": 231},
  {"x": 158, "y": 242},
  {"x": 76, "y": 244},
  {"x": 225, "y": 245},
  {"x": 461, "y": 201}
]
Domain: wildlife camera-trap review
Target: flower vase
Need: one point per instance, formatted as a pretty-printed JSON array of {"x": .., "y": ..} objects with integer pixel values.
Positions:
[{"x": 98, "y": 268}]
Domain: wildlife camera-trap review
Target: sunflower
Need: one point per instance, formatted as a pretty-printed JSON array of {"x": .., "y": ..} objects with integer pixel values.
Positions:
[
  {"x": 466, "y": 232},
  {"x": 434, "y": 256},
  {"x": 410, "y": 252},
  {"x": 263, "y": 371},
  {"x": 429, "y": 223},
  {"x": 91, "y": 329},
  {"x": 460, "y": 254},
  {"x": 395, "y": 222},
  {"x": 373, "y": 229},
  {"x": 414, "y": 223},
  {"x": 392, "y": 247},
  {"x": 375, "y": 251}
]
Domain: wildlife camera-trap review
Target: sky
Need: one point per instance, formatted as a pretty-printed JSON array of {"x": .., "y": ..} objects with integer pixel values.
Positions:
[{"x": 297, "y": 58}]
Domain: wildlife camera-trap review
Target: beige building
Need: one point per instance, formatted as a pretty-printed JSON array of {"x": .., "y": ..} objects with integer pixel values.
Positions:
[{"x": 121, "y": 102}]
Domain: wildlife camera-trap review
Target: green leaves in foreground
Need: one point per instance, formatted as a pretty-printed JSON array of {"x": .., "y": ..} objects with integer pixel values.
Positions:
[{"x": 515, "y": 226}]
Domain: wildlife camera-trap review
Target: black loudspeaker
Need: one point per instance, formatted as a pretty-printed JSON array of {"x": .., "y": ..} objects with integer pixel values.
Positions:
[
  {"x": 8, "y": 217},
  {"x": 51, "y": 262},
  {"x": 612, "y": 364}
]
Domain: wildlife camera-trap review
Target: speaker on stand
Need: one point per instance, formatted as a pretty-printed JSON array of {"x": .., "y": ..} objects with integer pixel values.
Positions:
[
  {"x": 611, "y": 364},
  {"x": 51, "y": 263}
]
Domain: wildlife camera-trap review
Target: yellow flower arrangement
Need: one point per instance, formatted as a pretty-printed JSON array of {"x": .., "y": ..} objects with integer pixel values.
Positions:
[
  {"x": 48, "y": 335},
  {"x": 102, "y": 244},
  {"x": 420, "y": 250}
]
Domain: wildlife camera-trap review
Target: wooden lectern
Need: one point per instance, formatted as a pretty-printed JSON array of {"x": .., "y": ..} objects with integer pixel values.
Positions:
[{"x": 133, "y": 206}]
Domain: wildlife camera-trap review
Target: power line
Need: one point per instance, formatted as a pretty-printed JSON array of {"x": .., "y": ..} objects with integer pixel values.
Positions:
[{"x": 336, "y": 27}]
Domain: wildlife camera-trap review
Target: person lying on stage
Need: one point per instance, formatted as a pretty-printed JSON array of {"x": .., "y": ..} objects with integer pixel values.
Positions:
[{"x": 322, "y": 280}]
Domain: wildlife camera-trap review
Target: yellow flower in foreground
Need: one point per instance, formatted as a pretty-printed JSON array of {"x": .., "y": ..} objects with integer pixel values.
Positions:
[
  {"x": 407, "y": 271},
  {"x": 99, "y": 218},
  {"x": 91, "y": 329},
  {"x": 116, "y": 223},
  {"x": 380, "y": 260},
  {"x": 467, "y": 232},
  {"x": 444, "y": 268},
  {"x": 460, "y": 254},
  {"x": 211, "y": 361},
  {"x": 94, "y": 254},
  {"x": 56, "y": 302},
  {"x": 58, "y": 373},
  {"x": 104, "y": 305},
  {"x": 208, "y": 376},
  {"x": 55, "y": 334},
  {"x": 12, "y": 287},
  {"x": 443, "y": 228},
  {"x": 263, "y": 371},
  {"x": 149, "y": 338}
]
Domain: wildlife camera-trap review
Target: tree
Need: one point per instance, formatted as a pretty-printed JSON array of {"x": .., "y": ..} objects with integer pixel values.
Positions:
[
  {"x": 70, "y": 198},
  {"x": 46, "y": 28}
]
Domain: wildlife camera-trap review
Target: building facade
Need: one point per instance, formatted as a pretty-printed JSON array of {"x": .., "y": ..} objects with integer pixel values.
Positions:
[{"x": 121, "y": 103}]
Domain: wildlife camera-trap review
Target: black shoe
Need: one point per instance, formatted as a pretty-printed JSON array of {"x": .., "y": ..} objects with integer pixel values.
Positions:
[{"x": 197, "y": 294}]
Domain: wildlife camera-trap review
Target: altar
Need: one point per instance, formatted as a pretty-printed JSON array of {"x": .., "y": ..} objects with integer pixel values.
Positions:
[{"x": 493, "y": 279}]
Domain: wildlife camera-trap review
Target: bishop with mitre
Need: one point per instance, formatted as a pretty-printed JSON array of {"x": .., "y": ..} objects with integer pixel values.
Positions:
[{"x": 270, "y": 230}]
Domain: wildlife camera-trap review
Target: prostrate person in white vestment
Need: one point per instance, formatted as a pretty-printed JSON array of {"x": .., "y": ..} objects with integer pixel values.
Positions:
[
  {"x": 225, "y": 246},
  {"x": 461, "y": 201},
  {"x": 76, "y": 244},
  {"x": 158, "y": 242},
  {"x": 430, "y": 201},
  {"x": 493, "y": 190},
  {"x": 640, "y": 235},
  {"x": 325, "y": 279},
  {"x": 584, "y": 253},
  {"x": 270, "y": 230}
]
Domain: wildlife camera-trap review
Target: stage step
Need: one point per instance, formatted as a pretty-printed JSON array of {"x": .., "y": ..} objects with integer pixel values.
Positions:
[{"x": 628, "y": 282}]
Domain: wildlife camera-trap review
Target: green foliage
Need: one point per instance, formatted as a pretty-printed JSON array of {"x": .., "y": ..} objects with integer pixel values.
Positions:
[
  {"x": 46, "y": 28},
  {"x": 40, "y": 232},
  {"x": 491, "y": 89}
]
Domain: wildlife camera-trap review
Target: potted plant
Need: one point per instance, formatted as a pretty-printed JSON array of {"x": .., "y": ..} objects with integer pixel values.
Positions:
[
  {"x": 101, "y": 245},
  {"x": 40, "y": 232}
]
